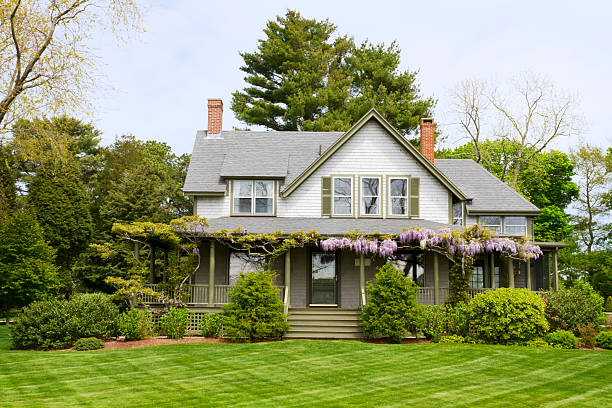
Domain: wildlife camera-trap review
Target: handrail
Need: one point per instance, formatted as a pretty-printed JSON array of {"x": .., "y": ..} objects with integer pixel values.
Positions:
[{"x": 363, "y": 298}]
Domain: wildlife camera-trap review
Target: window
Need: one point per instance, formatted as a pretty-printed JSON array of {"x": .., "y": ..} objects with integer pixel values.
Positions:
[
  {"x": 494, "y": 223},
  {"x": 398, "y": 196},
  {"x": 477, "y": 278},
  {"x": 370, "y": 196},
  {"x": 343, "y": 196},
  {"x": 412, "y": 265},
  {"x": 458, "y": 213},
  {"x": 240, "y": 262},
  {"x": 253, "y": 197},
  {"x": 515, "y": 226}
]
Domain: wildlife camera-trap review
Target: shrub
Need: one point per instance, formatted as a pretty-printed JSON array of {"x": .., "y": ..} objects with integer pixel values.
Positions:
[
  {"x": 587, "y": 334},
  {"x": 562, "y": 339},
  {"x": 175, "y": 322},
  {"x": 538, "y": 343},
  {"x": 436, "y": 321},
  {"x": 41, "y": 326},
  {"x": 604, "y": 340},
  {"x": 88, "y": 343},
  {"x": 567, "y": 308},
  {"x": 452, "y": 339},
  {"x": 211, "y": 324},
  {"x": 92, "y": 315},
  {"x": 507, "y": 315},
  {"x": 135, "y": 324},
  {"x": 391, "y": 310},
  {"x": 608, "y": 305},
  {"x": 255, "y": 310}
]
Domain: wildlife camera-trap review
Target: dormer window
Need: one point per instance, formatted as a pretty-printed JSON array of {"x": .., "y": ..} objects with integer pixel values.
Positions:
[
  {"x": 492, "y": 222},
  {"x": 253, "y": 197},
  {"x": 515, "y": 226}
]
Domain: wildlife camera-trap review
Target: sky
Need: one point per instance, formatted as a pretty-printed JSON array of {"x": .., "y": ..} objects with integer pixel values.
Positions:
[{"x": 155, "y": 85}]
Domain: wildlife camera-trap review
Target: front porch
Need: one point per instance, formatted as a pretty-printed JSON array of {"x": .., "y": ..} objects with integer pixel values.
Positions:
[{"x": 310, "y": 278}]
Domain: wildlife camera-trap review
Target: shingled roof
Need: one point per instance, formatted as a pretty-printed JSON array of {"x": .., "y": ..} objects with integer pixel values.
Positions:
[{"x": 488, "y": 193}]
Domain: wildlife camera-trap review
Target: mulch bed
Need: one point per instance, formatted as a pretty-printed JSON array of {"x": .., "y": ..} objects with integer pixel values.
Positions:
[{"x": 121, "y": 344}]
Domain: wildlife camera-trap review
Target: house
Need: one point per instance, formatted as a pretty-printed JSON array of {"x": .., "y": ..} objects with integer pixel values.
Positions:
[{"x": 369, "y": 178}]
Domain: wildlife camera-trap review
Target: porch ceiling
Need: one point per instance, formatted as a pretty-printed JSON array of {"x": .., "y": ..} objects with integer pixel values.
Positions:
[{"x": 324, "y": 226}]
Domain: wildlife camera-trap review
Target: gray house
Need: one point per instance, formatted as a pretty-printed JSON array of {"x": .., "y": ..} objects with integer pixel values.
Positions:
[{"x": 369, "y": 178}]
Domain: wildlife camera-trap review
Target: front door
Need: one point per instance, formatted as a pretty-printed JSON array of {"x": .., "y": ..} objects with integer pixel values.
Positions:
[{"x": 324, "y": 280}]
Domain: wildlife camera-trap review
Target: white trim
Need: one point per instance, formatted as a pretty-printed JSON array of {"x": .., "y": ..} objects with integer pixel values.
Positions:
[
  {"x": 379, "y": 196},
  {"x": 391, "y": 197}
]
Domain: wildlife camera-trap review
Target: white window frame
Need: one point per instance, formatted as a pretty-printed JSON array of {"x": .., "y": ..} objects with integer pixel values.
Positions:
[
  {"x": 379, "y": 196},
  {"x": 334, "y": 195},
  {"x": 493, "y": 227},
  {"x": 253, "y": 197},
  {"x": 391, "y": 197},
  {"x": 523, "y": 226}
]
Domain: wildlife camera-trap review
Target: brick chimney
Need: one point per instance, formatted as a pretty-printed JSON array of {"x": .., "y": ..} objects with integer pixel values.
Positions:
[
  {"x": 215, "y": 116},
  {"x": 427, "y": 138}
]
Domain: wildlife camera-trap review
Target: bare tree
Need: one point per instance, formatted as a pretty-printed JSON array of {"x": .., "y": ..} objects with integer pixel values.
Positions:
[
  {"x": 533, "y": 114},
  {"x": 45, "y": 64},
  {"x": 526, "y": 112}
]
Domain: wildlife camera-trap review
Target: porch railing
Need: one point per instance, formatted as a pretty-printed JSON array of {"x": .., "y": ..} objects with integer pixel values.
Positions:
[{"x": 198, "y": 294}]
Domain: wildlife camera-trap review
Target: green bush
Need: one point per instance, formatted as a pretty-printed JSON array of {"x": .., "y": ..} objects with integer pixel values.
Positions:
[
  {"x": 437, "y": 321},
  {"x": 538, "y": 343},
  {"x": 41, "y": 326},
  {"x": 608, "y": 306},
  {"x": 452, "y": 339},
  {"x": 175, "y": 322},
  {"x": 507, "y": 316},
  {"x": 568, "y": 308},
  {"x": 211, "y": 324},
  {"x": 88, "y": 343},
  {"x": 391, "y": 310},
  {"x": 562, "y": 339},
  {"x": 587, "y": 334},
  {"x": 92, "y": 315},
  {"x": 57, "y": 323},
  {"x": 135, "y": 324},
  {"x": 254, "y": 310},
  {"x": 604, "y": 340}
]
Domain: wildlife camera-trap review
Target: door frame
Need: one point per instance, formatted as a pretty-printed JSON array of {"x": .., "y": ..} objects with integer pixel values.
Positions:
[{"x": 336, "y": 254}]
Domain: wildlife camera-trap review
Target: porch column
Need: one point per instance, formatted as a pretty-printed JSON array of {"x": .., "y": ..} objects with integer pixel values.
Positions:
[
  {"x": 528, "y": 268},
  {"x": 211, "y": 274},
  {"x": 510, "y": 268},
  {"x": 436, "y": 271},
  {"x": 361, "y": 279},
  {"x": 555, "y": 270},
  {"x": 288, "y": 276},
  {"x": 492, "y": 269}
]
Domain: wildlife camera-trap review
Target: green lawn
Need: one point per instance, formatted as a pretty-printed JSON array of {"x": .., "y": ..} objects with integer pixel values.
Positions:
[{"x": 307, "y": 373}]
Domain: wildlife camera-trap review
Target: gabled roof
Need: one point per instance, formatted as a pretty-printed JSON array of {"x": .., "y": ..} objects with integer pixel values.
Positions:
[
  {"x": 373, "y": 114},
  {"x": 282, "y": 155},
  {"x": 488, "y": 193}
]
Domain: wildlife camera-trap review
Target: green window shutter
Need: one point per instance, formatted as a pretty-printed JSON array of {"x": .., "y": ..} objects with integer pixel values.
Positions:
[
  {"x": 326, "y": 195},
  {"x": 415, "y": 192}
]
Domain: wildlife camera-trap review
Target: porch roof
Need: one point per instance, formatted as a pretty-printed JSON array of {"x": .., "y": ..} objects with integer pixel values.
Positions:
[{"x": 324, "y": 226}]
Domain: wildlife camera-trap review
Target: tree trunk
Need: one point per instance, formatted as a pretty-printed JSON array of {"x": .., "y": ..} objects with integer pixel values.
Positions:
[{"x": 152, "y": 266}]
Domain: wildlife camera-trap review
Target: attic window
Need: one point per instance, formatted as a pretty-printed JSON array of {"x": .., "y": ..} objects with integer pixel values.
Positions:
[
  {"x": 253, "y": 197},
  {"x": 343, "y": 195}
]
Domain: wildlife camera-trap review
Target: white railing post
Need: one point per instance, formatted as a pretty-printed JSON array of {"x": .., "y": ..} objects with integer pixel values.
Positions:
[{"x": 211, "y": 274}]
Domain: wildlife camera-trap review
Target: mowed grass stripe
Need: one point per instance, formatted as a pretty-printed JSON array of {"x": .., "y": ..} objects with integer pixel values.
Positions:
[{"x": 307, "y": 373}]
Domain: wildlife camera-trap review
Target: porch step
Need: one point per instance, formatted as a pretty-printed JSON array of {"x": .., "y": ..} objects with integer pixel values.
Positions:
[{"x": 324, "y": 323}]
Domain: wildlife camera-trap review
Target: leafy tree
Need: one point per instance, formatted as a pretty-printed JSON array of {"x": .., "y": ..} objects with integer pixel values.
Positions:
[
  {"x": 27, "y": 268},
  {"x": 302, "y": 78},
  {"x": 61, "y": 204},
  {"x": 45, "y": 63},
  {"x": 594, "y": 171},
  {"x": 8, "y": 190}
]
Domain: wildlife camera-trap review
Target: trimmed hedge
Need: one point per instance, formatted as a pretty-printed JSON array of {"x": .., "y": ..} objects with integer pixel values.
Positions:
[
  {"x": 507, "y": 316},
  {"x": 562, "y": 339},
  {"x": 89, "y": 343},
  {"x": 604, "y": 340},
  {"x": 57, "y": 324}
]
